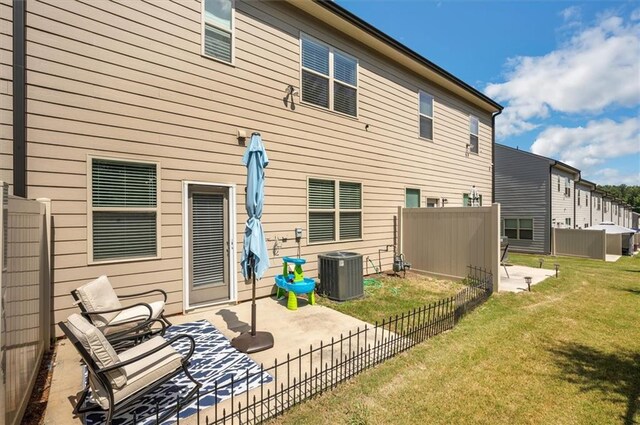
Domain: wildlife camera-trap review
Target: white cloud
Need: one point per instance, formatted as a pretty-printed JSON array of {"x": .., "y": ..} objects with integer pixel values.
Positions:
[
  {"x": 571, "y": 13},
  {"x": 613, "y": 176},
  {"x": 598, "y": 67},
  {"x": 635, "y": 15},
  {"x": 587, "y": 147}
]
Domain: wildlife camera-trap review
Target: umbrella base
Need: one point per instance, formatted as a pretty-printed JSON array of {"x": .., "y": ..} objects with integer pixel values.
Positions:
[{"x": 248, "y": 343}]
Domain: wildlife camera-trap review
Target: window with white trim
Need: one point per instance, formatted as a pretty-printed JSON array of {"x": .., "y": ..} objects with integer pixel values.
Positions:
[
  {"x": 335, "y": 210},
  {"x": 567, "y": 186},
  {"x": 518, "y": 228},
  {"x": 412, "y": 198},
  {"x": 433, "y": 202},
  {"x": 124, "y": 216},
  {"x": 217, "y": 29},
  {"x": 567, "y": 221},
  {"x": 474, "y": 131},
  {"x": 578, "y": 196},
  {"x": 329, "y": 77},
  {"x": 426, "y": 115},
  {"x": 467, "y": 201}
]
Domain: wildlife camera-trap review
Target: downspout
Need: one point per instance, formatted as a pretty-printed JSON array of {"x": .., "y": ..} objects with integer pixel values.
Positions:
[
  {"x": 493, "y": 155},
  {"x": 19, "y": 99},
  {"x": 550, "y": 206}
]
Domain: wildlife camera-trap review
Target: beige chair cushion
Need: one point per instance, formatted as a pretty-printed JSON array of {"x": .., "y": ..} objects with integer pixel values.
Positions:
[
  {"x": 99, "y": 295},
  {"x": 142, "y": 373},
  {"x": 98, "y": 347},
  {"x": 139, "y": 313}
]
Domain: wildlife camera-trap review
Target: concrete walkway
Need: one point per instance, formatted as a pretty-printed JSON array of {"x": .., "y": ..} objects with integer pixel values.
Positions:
[
  {"x": 292, "y": 331},
  {"x": 612, "y": 258},
  {"x": 515, "y": 282}
]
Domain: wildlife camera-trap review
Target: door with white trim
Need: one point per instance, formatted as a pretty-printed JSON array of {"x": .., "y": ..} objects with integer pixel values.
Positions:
[{"x": 209, "y": 244}]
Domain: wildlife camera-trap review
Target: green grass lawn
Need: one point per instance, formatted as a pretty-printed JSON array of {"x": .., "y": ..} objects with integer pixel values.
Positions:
[
  {"x": 566, "y": 353},
  {"x": 386, "y": 296}
]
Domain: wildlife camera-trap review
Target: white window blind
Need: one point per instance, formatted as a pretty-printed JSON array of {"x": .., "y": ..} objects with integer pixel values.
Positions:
[
  {"x": 426, "y": 115},
  {"x": 208, "y": 238},
  {"x": 218, "y": 29},
  {"x": 473, "y": 134},
  {"x": 124, "y": 200},
  {"x": 329, "y": 77},
  {"x": 334, "y": 206}
]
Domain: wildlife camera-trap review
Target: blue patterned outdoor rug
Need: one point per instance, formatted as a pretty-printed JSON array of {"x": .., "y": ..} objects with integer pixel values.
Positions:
[{"x": 214, "y": 361}]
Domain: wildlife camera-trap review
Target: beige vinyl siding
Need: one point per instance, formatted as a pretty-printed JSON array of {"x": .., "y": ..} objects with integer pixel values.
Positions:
[
  {"x": 583, "y": 212},
  {"x": 125, "y": 79},
  {"x": 596, "y": 214},
  {"x": 6, "y": 92},
  {"x": 561, "y": 205}
]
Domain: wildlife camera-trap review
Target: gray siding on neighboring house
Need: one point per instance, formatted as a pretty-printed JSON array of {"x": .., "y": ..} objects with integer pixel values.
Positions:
[{"x": 522, "y": 189}]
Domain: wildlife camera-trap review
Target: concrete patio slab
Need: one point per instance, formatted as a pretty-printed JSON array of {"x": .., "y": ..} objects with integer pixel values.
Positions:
[
  {"x": 292, "y": 331},
  {"x": 515, "y": 282},
  {"x": 612, "y": 258}
]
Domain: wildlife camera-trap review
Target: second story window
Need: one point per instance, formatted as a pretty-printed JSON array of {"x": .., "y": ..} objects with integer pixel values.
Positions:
[
  {"x": 473, "y": 134},
  {"x": 578, "y": 196},
  {"x": 217, "y": 28},
  {"x": 426, "y": 116},
  {"x": 329, "y": 77}
]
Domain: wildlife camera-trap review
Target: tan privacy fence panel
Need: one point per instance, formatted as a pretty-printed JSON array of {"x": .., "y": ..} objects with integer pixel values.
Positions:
[
  {"x": 25, "y": 312},
  {"x": 445, "y": 241},
  {"x": 579, "y": 243},
  {"x": 614, "y": 244}
]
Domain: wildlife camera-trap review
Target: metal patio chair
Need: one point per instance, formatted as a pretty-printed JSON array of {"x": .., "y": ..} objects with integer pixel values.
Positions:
[
  {"x": 118, "y": 380},
  {"x": 100, "y": 305}
]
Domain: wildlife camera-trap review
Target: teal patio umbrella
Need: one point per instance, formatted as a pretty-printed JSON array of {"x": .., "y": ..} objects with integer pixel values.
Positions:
[{"x": 255, "y": 255}]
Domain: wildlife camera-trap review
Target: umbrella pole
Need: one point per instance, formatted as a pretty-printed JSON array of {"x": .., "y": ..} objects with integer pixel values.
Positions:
[
  {"x": 253, "y": 300},
  {"x": 252, "y": 342}
]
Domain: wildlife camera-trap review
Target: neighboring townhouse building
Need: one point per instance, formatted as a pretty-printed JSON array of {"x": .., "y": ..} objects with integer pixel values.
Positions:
[
  {"x": 597, "y": 208},
  {"x": 635, "y": 220},
  {"x": 134, "y": 125},
  {"x": 563, "y": 178},
  {"x": 535, "y": 193},
  {"x": 607, "y": 207},
  {"x": 582, "y": 207}
]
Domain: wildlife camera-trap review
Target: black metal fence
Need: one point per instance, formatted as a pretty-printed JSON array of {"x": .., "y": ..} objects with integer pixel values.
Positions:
[{"x": 317, "y": 369}]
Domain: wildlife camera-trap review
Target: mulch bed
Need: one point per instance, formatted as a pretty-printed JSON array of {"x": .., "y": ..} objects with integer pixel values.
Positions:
[{"x": 34, "y": 414}]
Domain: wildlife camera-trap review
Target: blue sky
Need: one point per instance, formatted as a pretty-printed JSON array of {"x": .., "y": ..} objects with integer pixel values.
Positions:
[{"x": 568, "y": 73}]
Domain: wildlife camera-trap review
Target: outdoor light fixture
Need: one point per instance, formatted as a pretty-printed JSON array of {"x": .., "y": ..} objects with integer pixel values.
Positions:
[
  {"x": 541, "y": 260},
  {"x": 527, "y": 280},
  {"x": 557, "y": 266}
]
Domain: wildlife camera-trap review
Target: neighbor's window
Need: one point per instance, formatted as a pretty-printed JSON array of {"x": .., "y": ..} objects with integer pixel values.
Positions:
[
  {"x": 586, "y": 199},
  {"x": 334, "y": 205},
  {"x": 567, "y": 187},
  {"x": 578, "y": 196},
  {"x": 567, "y": 221},
  {"x": 518, "y": 228},
  {"x": 558, "y": 183},
  {"x": 473, "y": 134},
  {"x": 599, "y": 203},
  {"x": 412, "y": 198},
  {"x": 433, "y": 202},
  {"x": 426, "y": 115},
  {"x": 124, "y": 198},
  {"x": 329, "y": 77},
  {"x": 217, "y": 28}
]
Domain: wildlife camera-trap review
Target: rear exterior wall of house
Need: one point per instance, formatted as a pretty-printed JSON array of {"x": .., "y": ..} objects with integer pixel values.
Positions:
[
  {"x": 562, "y": 193},
  {"x": 127, "y": 81},
  {"x": 582, "y": 206},
  {"x": 522, "y": 189}
]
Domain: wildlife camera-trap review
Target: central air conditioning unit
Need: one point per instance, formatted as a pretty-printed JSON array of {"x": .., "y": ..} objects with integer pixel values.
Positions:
[{"x": 340, "y": 275}]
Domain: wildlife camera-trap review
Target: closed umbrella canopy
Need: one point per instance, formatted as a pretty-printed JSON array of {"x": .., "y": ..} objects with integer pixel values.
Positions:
[{"x": 255, "y": 246}]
